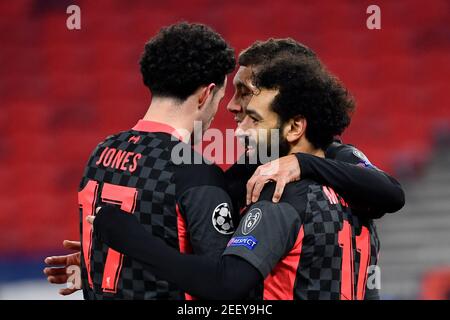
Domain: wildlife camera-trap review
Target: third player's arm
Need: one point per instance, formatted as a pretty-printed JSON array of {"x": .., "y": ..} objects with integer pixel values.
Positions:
[
  {"x": 368, "y": 190},
  {"x": 362, "y": 185},
  {"x": 238, "y": 271},
  {"x": 228, "y": 277}
]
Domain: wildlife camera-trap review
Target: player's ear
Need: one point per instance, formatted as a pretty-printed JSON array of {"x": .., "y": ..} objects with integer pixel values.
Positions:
[
  {"x": 295, "y": 128},
  {"x": 204, "y": 94}
]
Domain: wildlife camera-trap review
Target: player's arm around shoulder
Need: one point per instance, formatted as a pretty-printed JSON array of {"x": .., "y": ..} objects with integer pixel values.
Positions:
[{"x": 374, "y": 181}]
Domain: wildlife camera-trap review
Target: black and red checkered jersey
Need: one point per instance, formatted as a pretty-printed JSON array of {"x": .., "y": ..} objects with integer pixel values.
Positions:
[
  {"x": 308, "y": 246},
  {"x": 184, "y": 204}
]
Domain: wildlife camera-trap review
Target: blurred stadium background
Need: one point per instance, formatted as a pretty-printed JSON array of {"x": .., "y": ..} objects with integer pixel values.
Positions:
[{"x": 63, "y": 91}]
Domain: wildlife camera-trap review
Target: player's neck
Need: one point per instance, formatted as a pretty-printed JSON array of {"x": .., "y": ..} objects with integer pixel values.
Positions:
[
  {"x": 168, "y": 112},
  {"x": 308, "y": 148}
]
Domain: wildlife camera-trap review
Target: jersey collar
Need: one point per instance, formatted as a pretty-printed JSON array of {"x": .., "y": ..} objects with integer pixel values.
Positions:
[{"x": 153, "y": 126}]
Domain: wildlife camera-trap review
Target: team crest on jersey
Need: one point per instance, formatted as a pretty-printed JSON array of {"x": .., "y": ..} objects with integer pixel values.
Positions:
[
  {"x": 359, "y": 155},
  {"x": 251, "y": 221},
  {"x": 222, "y": 220},
  {"x": 364, "y": 162}
]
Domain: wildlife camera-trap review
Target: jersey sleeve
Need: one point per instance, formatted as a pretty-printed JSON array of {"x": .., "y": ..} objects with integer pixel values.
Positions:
[
  {"x": 349, "y": 154},
  {"x": 361, "y": 184},
  {"x": 206, "y": 208},
  {"x": 266, "y": 233}
]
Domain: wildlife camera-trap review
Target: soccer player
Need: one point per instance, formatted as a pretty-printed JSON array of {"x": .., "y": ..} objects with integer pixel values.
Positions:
[
  {"x": 356, "y": 183},
  {"x": 309, "y": 245},
  {"x": 372, "y": 192},
  {"x": 185, "y": 67}
]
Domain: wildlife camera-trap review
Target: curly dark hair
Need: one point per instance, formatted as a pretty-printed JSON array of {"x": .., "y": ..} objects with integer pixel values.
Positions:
[
  {"x": 184, "y": 56},
  {"x": 262, "y": 52},
  {"x": 308, "y": 90}
]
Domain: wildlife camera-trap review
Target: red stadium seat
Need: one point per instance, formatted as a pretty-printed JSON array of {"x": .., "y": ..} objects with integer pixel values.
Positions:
[{"x": 63, "y": 91}]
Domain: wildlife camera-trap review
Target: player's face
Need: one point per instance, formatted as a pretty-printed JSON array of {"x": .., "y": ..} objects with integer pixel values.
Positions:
[
  {"x": 259, "y": 115},
  {"x": 243, "y": 90}
]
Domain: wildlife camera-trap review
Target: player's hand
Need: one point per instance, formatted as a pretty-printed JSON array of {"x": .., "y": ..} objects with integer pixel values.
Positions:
[
  {"x": 282, "y": 171},
  {"x": 58, "y": 272},
  {"x": 91, "y": 219}
]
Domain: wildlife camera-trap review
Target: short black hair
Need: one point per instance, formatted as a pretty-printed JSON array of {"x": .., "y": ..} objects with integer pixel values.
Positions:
[
  {"x": 184, "y": 56},
  {"x": 262, "y": 52},
  {"x": 308, "y": 90}
]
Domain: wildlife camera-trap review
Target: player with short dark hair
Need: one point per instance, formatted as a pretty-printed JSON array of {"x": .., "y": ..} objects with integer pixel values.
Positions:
[{"x": 263, "y": 52}]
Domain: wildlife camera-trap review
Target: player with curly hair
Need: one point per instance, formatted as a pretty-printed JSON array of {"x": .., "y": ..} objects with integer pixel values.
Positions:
[
  {"x": 185, "y": 67},
  {"x": 373, "y": 191}
]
